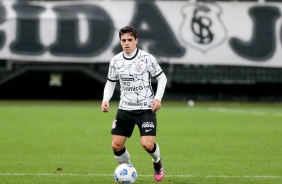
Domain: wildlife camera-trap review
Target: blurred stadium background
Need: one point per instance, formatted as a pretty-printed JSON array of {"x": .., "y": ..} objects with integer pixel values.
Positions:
[
  {"x": 209, "y": 50},
  {"x": 220, "y": 54}
]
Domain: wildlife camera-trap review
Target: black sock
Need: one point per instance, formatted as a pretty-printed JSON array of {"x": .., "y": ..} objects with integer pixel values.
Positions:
[
  {"x": 118, "y": 153},
  {"x": 154, "y": 149}
]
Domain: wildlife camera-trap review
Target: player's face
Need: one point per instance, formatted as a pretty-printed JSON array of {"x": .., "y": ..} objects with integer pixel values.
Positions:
[{"x": 128, "y": 43}]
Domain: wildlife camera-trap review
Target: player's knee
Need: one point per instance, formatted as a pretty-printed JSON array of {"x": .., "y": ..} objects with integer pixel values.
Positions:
[
  {"x": 117, "y": 147},
  {"x": 148, "y": 146}
]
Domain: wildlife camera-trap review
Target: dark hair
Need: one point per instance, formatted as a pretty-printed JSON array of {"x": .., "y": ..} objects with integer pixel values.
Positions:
[{"x": 128, "y": 29}]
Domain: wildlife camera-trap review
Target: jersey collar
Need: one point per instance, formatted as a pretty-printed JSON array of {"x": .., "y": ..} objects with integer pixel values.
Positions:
[{"x": 136, "y": 52}]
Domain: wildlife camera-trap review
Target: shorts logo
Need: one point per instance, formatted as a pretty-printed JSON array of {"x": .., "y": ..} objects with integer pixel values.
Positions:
[
  {"x": 114, "y": 124},
  {"x": 148, "y": 130},
  {"x": 148, "y": 125}
]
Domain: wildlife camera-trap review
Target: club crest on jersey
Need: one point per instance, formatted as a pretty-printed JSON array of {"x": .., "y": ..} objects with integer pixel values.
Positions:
[{"x": 138, "y": 66}]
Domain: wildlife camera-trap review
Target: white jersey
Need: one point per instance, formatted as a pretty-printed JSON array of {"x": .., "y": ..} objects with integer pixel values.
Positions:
[{"x": 134, "y": 75}]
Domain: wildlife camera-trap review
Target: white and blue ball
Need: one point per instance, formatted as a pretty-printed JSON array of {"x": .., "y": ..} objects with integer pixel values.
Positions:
[{"x": 125, "y": 173}]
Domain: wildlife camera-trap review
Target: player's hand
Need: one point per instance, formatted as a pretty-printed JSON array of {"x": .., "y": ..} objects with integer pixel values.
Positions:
[
  {"x": 156, "y": 105},
  {"x": 105, "y": 106}
]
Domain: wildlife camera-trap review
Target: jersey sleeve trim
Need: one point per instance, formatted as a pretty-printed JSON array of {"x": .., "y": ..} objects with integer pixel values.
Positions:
[
  {"x": 112, "y": 80},
  {"x": 158, "y": 74}
]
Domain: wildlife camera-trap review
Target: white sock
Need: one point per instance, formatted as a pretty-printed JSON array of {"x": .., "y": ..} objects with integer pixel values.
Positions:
[
  {"x": 123, "y": 158},
  {"x": 156, "y": 154}
]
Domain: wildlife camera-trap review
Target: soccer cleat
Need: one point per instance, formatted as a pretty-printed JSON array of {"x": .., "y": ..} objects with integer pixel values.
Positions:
[{"x": 159, "y": 170}]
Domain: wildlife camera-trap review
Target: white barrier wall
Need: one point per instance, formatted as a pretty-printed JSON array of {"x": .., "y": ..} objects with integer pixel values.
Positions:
[{"x": 214, "y": 33}]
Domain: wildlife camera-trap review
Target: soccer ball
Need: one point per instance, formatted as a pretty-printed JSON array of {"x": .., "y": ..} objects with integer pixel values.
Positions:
[{"x": 125, "y": 173}]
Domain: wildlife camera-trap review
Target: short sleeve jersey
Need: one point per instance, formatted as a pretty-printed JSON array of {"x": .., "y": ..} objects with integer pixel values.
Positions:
[{"x": 134, "y": 75}]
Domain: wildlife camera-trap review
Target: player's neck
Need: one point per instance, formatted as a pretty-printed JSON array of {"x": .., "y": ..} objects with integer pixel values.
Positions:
[{"x": 131, "y": 54}]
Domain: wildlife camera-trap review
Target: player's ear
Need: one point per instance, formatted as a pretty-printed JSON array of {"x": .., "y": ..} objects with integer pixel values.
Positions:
[{"x": 136, "y": 40}]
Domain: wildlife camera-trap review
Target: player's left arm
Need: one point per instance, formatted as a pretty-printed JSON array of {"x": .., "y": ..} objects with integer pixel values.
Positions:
[{"x": 162, "y": 80}]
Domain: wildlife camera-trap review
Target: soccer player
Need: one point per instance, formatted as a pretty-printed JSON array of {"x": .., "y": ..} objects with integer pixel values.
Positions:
[{"x": 138, "y": 104}]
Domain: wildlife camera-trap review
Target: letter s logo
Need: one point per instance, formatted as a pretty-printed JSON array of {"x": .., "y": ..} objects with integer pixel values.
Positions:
[{"x": 202, "y": 27}]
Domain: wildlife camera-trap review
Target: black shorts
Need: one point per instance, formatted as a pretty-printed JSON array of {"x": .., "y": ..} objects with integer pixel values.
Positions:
[{"x": 125, "y": 121}]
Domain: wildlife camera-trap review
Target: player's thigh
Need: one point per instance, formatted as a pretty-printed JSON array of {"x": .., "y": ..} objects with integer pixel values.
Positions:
[{"x": 122, "y": 125}]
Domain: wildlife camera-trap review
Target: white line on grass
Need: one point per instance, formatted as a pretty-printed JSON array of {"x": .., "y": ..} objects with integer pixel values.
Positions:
[
  {"x": 142, "y": 175},
  {"x": 236, "y": 111},
  {"x": 240, "y": 111}
]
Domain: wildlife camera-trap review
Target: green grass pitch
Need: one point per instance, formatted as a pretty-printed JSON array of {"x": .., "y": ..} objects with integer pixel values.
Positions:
[{"x": 54, "y": 142}]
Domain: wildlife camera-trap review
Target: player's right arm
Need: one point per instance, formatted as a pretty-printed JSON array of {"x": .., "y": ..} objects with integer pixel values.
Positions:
[
  {"x": 108, "y": 93},
  {"x": 110, "y": 86},
  {"x": 105, "y": 106}
]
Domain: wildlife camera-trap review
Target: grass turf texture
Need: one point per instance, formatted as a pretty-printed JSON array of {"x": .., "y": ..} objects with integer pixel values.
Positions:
[{"x": 70, "y": 142}]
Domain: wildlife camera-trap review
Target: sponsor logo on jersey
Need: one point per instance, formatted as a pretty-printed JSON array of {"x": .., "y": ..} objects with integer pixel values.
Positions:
[
  {"x": 136, "y": 103},
  {"x": 133, "y": 88},
  {"x": 127, "y": 79}
]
